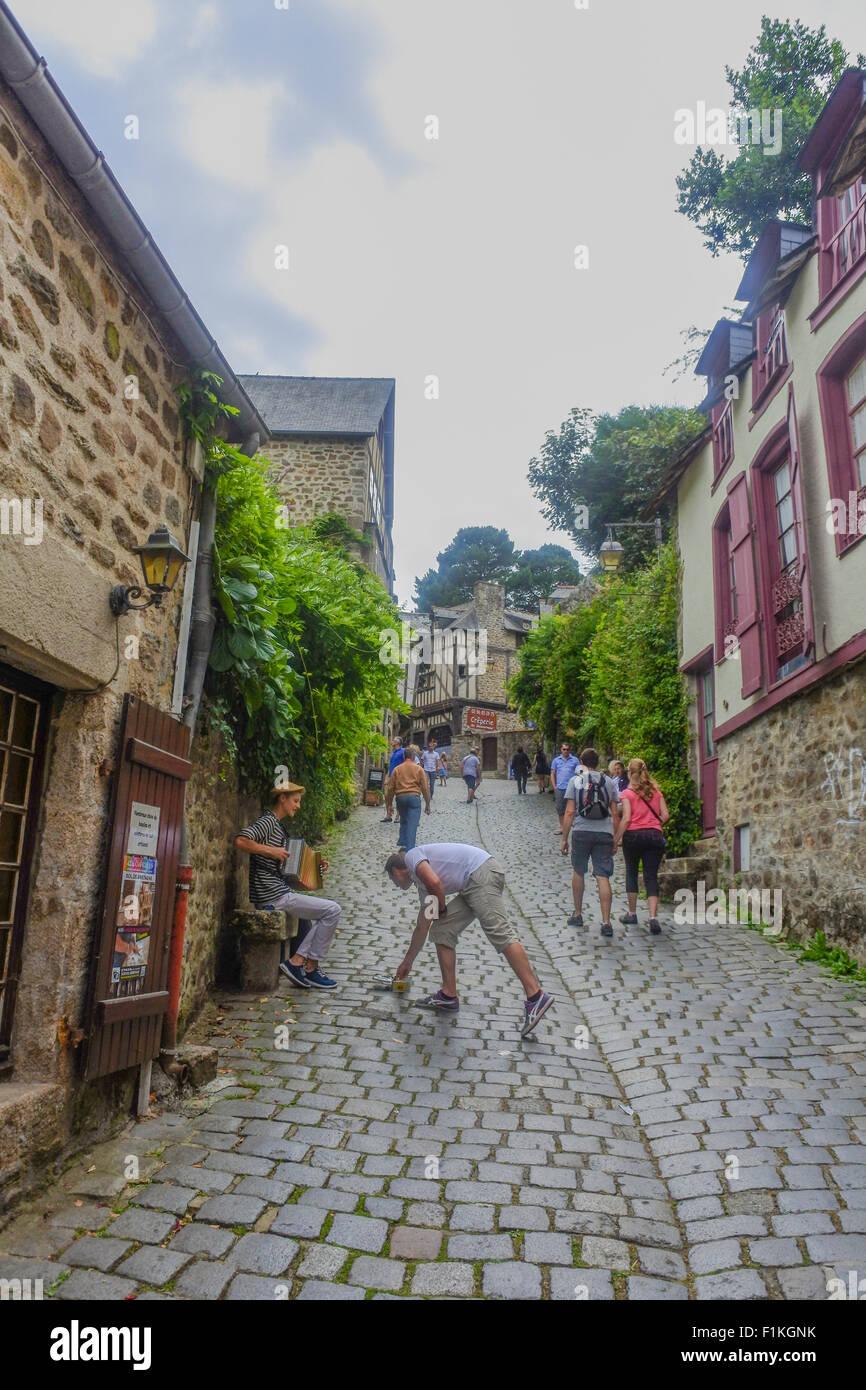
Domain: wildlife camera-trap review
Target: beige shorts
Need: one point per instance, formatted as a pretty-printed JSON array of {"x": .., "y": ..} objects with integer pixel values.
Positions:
[{"x": 481, "y": 899}]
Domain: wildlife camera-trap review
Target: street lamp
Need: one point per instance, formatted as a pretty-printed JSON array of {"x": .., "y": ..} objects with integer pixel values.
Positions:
[
  {"x": 161, "y": 560},
  {"x": 611, "y": 552}
]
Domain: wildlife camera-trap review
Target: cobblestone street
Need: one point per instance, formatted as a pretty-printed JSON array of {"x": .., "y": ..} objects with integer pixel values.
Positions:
[{"x": 688, "y": 1121}]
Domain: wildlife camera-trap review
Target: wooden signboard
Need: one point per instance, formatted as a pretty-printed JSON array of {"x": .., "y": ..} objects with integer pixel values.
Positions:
[{"x": 128, "y": 995}]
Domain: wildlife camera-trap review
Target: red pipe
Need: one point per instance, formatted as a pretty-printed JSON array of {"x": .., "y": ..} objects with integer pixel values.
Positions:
[{"x": 183, "y": 885}]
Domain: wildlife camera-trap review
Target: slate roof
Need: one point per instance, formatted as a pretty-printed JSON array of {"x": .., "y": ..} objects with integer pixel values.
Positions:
[{"x": 319, "y": 404}]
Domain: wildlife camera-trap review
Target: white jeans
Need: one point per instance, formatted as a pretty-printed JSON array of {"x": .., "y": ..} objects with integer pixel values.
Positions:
[{"x": 324, "y": 916}]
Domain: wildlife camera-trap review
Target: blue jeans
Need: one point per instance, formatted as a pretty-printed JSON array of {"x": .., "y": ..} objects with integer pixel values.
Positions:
[
  {"x": 431, "y": 778},
  {"x": 408, "y": 806}
]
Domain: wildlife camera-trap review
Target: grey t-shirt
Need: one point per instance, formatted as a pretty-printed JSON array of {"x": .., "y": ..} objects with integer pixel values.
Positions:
[{"x": 579, "y": 782}]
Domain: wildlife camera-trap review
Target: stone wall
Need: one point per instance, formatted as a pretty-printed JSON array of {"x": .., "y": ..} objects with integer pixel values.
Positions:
[
  {"x": 89, "y": 429},
  {"x": 797, "y": 776},
  {"x": 316, "y": 476}
]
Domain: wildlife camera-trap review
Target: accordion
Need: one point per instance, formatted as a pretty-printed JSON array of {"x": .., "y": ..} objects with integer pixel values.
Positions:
[{"x": 303, "y": 866}]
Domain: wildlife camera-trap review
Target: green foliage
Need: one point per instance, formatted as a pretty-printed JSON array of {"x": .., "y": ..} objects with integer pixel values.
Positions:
[
  {"x": 295, "y": 678},
  {"x": 791, "y": 68},
  {"x": 476, "y": 553},
  {"x": 834, "y": 958},
  {"x": 539, "y": 571},
  {"x": 612, "y": 465},
  {"x": 609, "y": 675}
]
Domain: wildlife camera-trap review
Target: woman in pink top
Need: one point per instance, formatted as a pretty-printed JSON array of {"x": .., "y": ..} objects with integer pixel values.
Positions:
[{"x": 642, "y": 814}]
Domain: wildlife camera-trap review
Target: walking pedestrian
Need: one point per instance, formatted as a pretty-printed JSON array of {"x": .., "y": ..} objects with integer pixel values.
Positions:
[
  {"x": 430, "y": 763},
  {"x": 471, "y": 773},
  {"x": 542, "y": 770},
  {"x": 409, "y": 787},
  {"x": 644, "y": 812},
  {"x": 443, "y": 768},
  {"x": 397, "y": 756},
  {"x": 618, "y": 775},
  {"x": 522, "y": 768},
  {"x": 266, "y": 843},
  {"x": 477, "y": 881},
  {"x": 562, "y": 769},
  {"x": 592, "y": 816}
]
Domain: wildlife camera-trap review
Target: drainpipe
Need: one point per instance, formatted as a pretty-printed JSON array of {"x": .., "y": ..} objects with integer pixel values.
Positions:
[{"x": 202, "y": 625}]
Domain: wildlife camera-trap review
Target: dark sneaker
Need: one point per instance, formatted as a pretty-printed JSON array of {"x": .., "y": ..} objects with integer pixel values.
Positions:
[
  {"x": 575, "y": 920},
  {"x": 316, "y": 980},
  {"x": 606, "y": 929},
  {"x": 386, "y": 820},
  {"x": 629, "y": 919},
  {"x": 438, "y": 1001},
  {"x": 296, "y": 973},
  {"x": 533, "y": 1013},
  {"x": 655, "y": 926}
]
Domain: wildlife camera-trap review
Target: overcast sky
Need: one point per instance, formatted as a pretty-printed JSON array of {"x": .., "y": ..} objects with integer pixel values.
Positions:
[{"x": 413, "y": 257}]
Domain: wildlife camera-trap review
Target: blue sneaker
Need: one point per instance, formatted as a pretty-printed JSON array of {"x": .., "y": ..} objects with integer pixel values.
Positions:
[
  {"x": 535, "y": 1012},
  {"x": 295, "y": 973},
  {"x": 442, "y": 1003},
  {"x": 316, "y": 980}
]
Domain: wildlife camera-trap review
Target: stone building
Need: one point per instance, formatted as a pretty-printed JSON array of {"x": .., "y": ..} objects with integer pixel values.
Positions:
[
  {"x": 773, "y": 629},
  {"x": 331, "y": 441},
  {"x": 459, "y": 694},
  {"x": 95, "y": 333}
]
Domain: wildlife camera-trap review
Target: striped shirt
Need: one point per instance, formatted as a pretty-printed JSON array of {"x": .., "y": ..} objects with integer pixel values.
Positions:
[{"x": 266, "y": 882}]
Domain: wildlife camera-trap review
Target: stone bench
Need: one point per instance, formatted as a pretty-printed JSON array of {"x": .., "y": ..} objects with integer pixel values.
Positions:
[{"x": 262, "y": 936}]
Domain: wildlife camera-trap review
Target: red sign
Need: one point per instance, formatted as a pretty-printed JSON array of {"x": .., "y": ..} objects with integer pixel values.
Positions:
[{"x": 480, "y": 718}]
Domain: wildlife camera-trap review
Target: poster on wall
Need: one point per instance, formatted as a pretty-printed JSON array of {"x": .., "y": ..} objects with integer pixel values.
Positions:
[
  {"x": 143, "y": 829},
  {"x": 134, "y": 920}
]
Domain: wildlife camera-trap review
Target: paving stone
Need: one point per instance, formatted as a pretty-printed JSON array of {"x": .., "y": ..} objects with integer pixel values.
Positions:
[
  {"x": 97, "y": 1252},
  {"x": 271, "y": 1191},
  {"x": 522, "y": 1218},
  {"x": 443, "y": 1278},
  {"x": 293, "y": 1220},
  {"x": 359, "y": 1233},
  {"x": 426, "y": 1214},
  {"x": 256, "y": 1287},
  {"x": 152, "y": 1265},
  {"x": 415, "y": 1243},
  {"x": 822, "y": 1249},
  {"x": 372, "y": 1273},
  {"x": 322, "y": 1262},
  {"x": 654, "y": 1290},
  {"x": 774, "y": 1251},
  {"x": 607, "y": 1254},
  {"x": 164, "y": 1197},
  {"x": 264, "y": 1254},
  {"x": 715, "y": 1255},
  {"x": 328, "y": 1199},
  {"x": 581, "y": 1284},
  {"x": 203, "y": 1240},
  {"x": 664, "y": 1263},
  {"x": 389, "y": 1208},
  {"x": 468, "y": 1216},
  {"x": 806, "y": 1282},
  {"x": 204, "y": 1279},
  {"x": 512, "y": 1280},
  {"x": 319, "y": 1291},
  {"x": 483, "y": 1247},
  {"x": 149, "y": 1227},
  {"x": 547, "y": 1249},
  {"x": 87, "y": 1286},
  {"x": 736, "y": 1284},
  {"x": 231, "y": 1211}
]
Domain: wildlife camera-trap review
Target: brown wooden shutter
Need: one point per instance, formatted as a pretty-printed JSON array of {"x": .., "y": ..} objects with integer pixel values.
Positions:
[
  {"x": 748, "y": 614},
  {"x": 800, "y": 519},
  {"x": 124, "y": 1018}
]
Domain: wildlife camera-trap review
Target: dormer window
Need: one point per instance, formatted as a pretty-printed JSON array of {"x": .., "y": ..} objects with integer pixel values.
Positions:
[
  {"x": 772, "y": 350},
  {"x": 723, "y": 436}
]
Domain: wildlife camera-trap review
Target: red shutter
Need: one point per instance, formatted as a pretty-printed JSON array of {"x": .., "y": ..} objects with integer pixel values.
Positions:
[
  {"x": 800, "y": 518},
  {"x": 748, "y": 615},
  {"x": 720, "y": 583}
]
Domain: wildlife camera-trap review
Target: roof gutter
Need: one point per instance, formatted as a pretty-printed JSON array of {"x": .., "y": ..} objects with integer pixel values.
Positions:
[{"x": 35, "y": 88}]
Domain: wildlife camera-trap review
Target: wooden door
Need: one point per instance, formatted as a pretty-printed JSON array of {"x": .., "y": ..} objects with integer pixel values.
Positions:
[
  {"x": 488, "y": 755},
  {"x": 708, "y": 757},
  {"x": 128, "y": 994}
]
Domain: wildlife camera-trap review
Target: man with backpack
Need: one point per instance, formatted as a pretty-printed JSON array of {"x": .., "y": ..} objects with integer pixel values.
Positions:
[{"x": 592, "y": 815}]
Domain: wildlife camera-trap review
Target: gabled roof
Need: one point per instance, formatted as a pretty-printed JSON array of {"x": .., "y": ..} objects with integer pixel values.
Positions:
[
  {"x": 828, "y": 137},
  {"x": 320, "y": 405},
  {"x": 777, "y": 241}
]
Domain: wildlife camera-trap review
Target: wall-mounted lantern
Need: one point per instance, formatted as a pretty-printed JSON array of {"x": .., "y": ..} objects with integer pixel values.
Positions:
[{"x": 161, "y": 561}]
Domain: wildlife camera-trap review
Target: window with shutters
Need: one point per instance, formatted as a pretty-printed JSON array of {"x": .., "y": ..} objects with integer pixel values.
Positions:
[
  {"x": 842, "y": 393},
  {"x": 723, "y": 437},
  {"x": 724, "y": 586},
  {"x": 743, "y": 585},
  {"x": 782, "y": 551},
  {"x": 843, "y": 236},
  {"x": 771, "y": 352}
]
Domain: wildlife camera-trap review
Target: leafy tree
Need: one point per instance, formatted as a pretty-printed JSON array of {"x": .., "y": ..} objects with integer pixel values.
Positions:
[
  {"x": 539, "y": 571},
  {"x": 791, "y": 68},
  {"x": 609, "y": 674},
  {"x": 476, "y": 553},
  {"x": 610, "y": 465}
]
